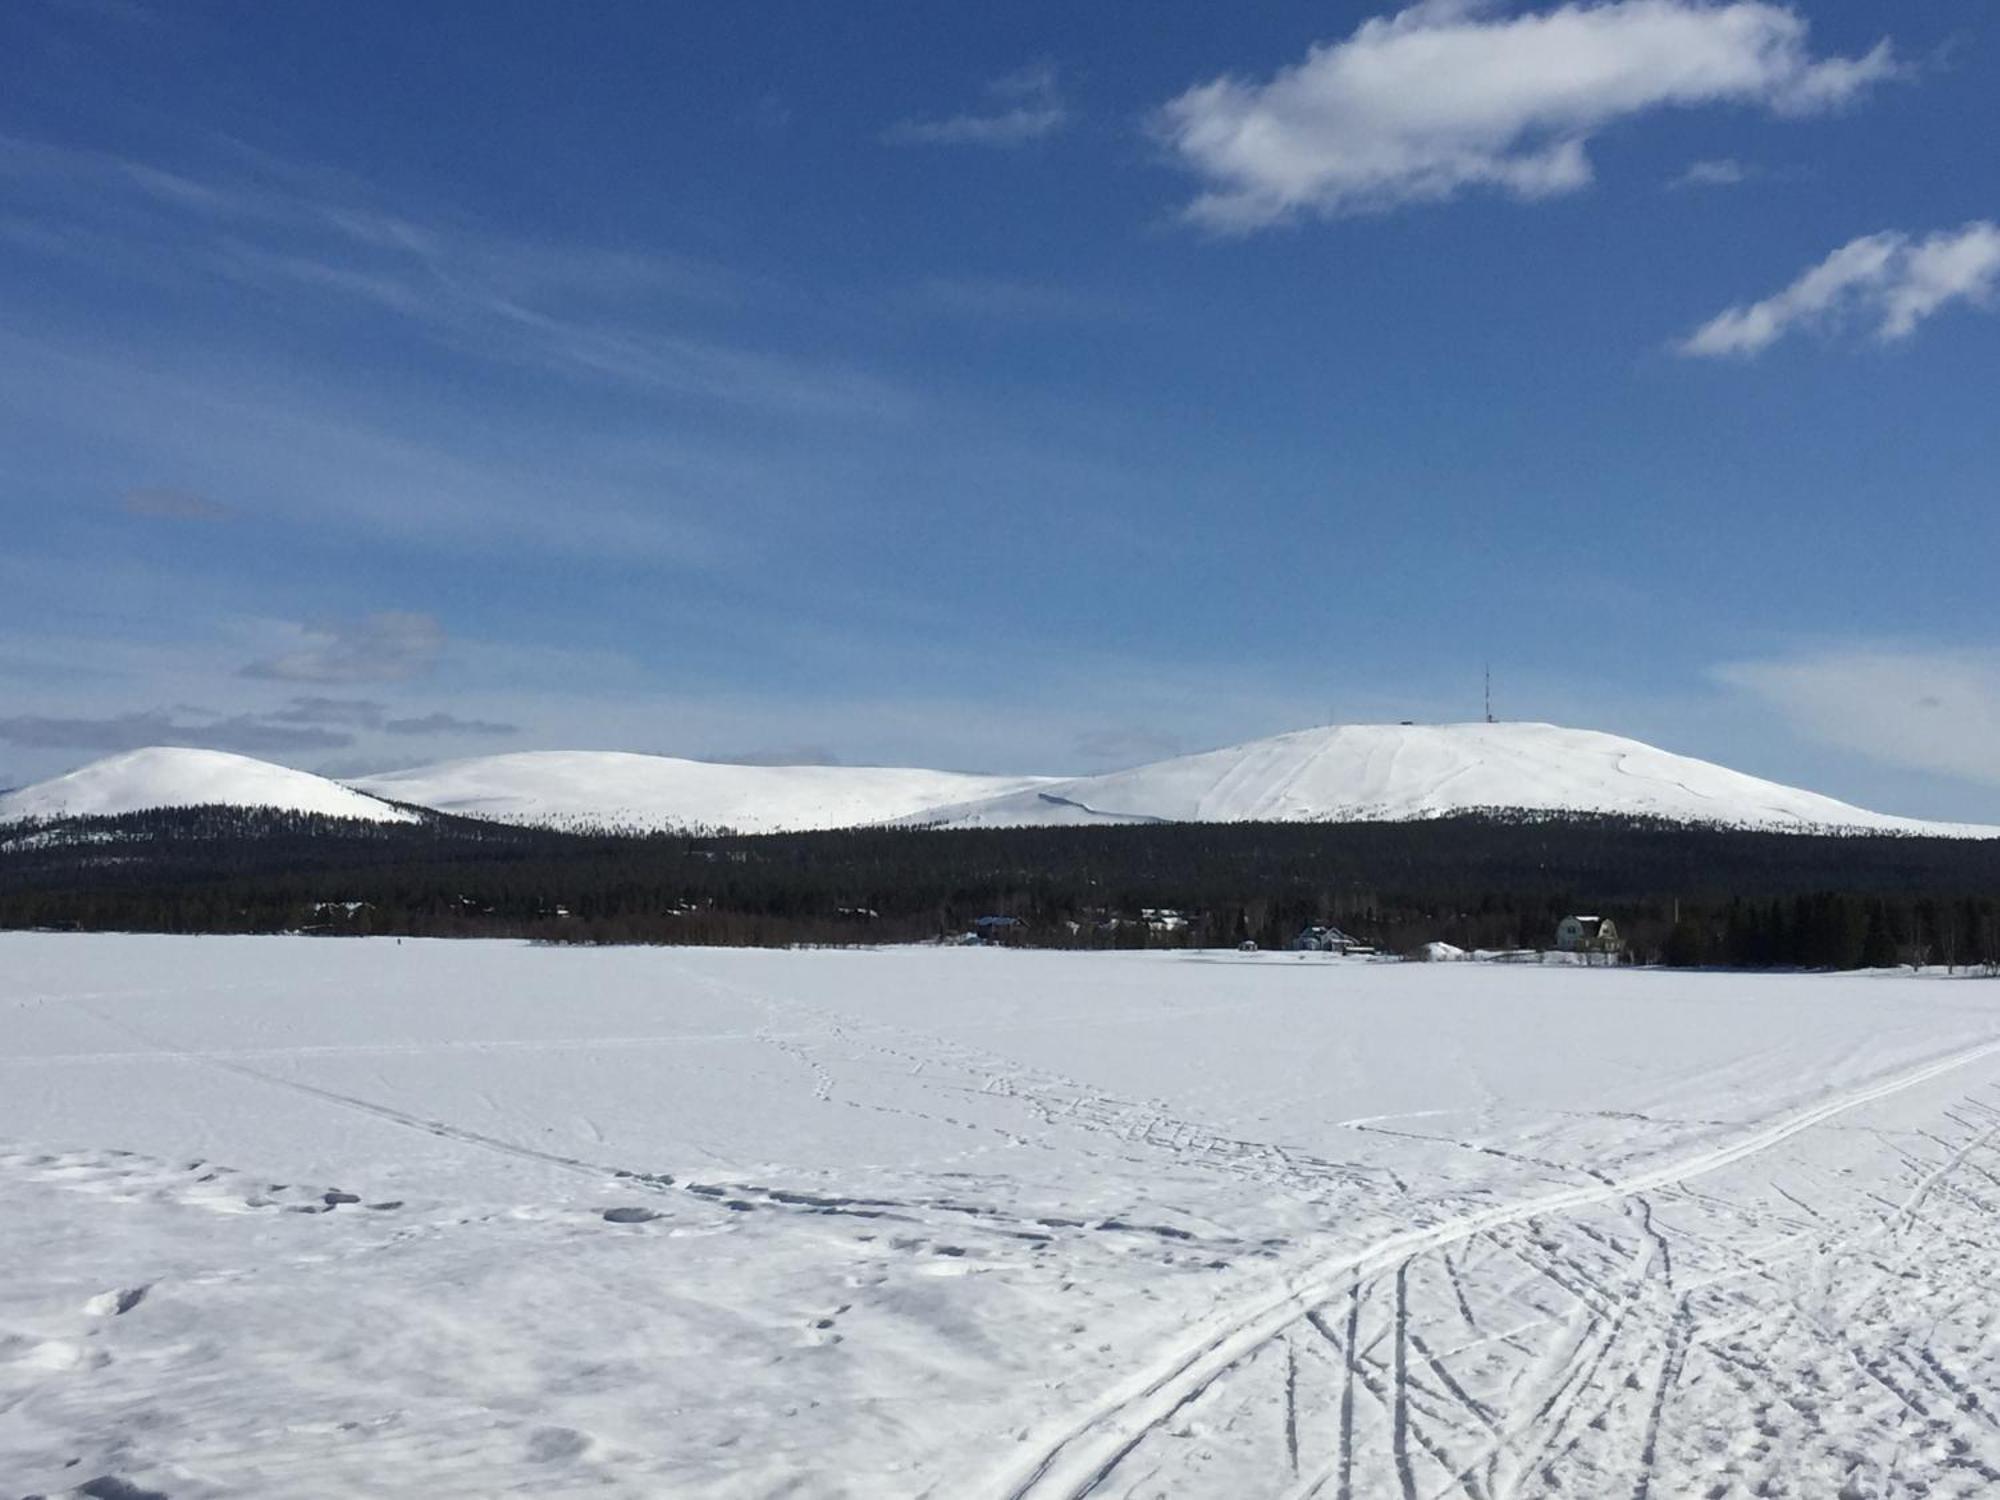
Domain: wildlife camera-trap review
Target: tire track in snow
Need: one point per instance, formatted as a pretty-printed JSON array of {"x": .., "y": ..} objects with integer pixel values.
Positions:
[{"x": 1081, "y": 1453}]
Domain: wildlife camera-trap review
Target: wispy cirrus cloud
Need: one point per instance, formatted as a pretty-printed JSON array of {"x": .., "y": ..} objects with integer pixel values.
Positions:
[
  {"x": 1927, "y": 709},
  {"x": 647, "y": 320},
  {"x": 1448, "y": 96},
  {"x": 327, "y": 460},
  {"x": 1022, "y": 106},
  {"x": 1724, "y": 171},
  {"x": 1889, "y": 283},
  {"x": 444, "y": 723},
  {"x": 164, "y": 504}
]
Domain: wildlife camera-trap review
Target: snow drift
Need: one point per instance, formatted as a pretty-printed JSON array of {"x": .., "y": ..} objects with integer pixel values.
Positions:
[{"x": 171, "y": 776}]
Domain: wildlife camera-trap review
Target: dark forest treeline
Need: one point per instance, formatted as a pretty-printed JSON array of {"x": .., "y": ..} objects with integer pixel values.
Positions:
[
  {"x": 1832, "y": 930},
  {"x": 1681, "y": 895}
]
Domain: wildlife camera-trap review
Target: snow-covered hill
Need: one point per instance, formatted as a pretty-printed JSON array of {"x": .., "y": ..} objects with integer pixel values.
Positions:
[
  {"x": 613, "y": 789},
  {"x": 1346, "y": 773},
  {"x": 1386, "y": 772},
  {"x": 172, "y": 776}
]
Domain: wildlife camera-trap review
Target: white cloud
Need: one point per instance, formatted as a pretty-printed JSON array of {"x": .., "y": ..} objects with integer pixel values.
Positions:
[
  {"x": 1929, "y": 710},
  {"x": 1723, "y": 172},
  {"x": 248, "y": 734},
  {"x": 1023, "y": 106},
  {"x": 389, "y": 646},
  {"x": 1888, "y": 280},
  {"x": 1947, "y": 267},
  {"x": 1445, "y": 96}
]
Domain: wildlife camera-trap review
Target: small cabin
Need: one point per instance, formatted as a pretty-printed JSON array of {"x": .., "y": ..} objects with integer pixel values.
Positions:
[
  {"x": 1328, "y": 940},
  {"x": 997, "y": 929},
  {"x": 1588, "y": 935}
]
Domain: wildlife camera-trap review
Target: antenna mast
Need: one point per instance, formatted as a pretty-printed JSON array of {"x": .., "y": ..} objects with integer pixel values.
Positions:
[{"x": 1489, "y": 692}]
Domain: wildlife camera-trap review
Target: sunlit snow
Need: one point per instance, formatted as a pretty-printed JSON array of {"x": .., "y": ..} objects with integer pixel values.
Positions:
[
  {"x": 173, "y": 776},
  {"x": 285, "y": 1216}
]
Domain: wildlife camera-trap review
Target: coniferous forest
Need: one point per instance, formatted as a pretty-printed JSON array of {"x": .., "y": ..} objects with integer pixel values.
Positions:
[{"x": 1681, "y": 896}]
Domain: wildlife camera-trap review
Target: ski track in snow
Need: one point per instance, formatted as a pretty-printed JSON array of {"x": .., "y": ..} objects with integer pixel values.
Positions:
[
  {"x": 1080, "y": 1461},
  {"x": 941, "y": 1224}
]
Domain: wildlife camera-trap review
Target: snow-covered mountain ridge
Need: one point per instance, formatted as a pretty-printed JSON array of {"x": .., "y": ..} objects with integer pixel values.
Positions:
[
  {"x": 174, "y": 776},
  {"x": 1395, "y": 772},
  {"x": 1341, "y": 773},
  {"x": 615, "y": 789}
]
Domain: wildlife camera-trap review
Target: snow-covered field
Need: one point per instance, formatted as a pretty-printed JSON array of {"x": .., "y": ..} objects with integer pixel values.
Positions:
[{"x": 321, "y": 1218}]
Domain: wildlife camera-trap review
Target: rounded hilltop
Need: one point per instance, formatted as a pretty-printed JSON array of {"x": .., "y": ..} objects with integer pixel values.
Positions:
[{"x": 161, "y": 776}]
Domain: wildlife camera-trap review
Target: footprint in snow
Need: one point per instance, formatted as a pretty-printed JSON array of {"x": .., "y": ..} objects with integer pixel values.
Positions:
[
  {"x": 116, "y": 1303},
  {"x": 556, "y": 1445},
  {"x": 111, "y": 1487}
]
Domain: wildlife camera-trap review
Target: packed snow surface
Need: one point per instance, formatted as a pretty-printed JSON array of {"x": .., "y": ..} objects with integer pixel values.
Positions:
[
  {"x": 613, "y": 789},
  {"x": 172, "y": 776},
  {"x": 320, "y": 1218},
  {"x": 1382, "y": 772}
]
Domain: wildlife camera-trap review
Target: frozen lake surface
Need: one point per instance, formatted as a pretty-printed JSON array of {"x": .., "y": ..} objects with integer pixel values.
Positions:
[{"x": 313, "y": 1218}]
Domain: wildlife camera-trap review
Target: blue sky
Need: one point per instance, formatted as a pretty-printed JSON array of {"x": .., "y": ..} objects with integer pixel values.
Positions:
[{"x": 1013, "y": 388}]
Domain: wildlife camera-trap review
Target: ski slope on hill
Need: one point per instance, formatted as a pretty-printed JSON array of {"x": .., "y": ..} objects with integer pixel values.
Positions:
[
  {"x": 312, "y": 1219},
  {"x": 172, "y": 776},
  {"x": 1386, "y": 772},
  {"x": 613, "y": 789}
]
